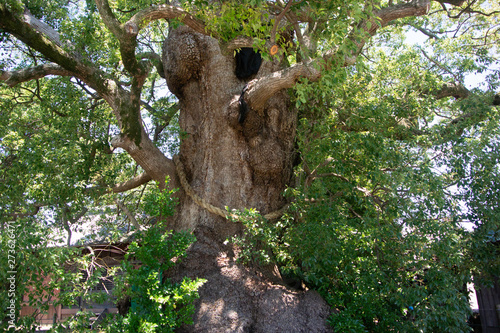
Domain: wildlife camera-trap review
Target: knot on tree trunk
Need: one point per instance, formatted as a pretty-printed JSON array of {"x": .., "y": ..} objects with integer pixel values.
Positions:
[{"x": 183, "y": 58}]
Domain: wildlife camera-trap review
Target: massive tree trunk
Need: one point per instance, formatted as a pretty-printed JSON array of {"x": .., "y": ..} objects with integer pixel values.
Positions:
[
  {"x": 235, "y": 165},
  {"x": 227, "y": 163}
]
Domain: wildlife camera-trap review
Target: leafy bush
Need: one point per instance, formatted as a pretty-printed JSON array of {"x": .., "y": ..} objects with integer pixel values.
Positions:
[
  {"x": 160, "y": 203},
  {"x": 157, "y": 304}
]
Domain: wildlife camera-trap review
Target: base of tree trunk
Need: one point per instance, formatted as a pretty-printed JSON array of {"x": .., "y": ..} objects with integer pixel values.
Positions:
[{"x": 237, "y": 298}]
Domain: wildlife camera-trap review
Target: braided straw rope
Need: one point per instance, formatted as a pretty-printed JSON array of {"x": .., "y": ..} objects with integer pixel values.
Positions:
[{"x": 203, "y": 203}]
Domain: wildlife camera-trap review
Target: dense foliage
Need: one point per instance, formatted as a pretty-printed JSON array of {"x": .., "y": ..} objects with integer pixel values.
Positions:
[
  {"x": 158, "y": 305},
  {"x": 65, "y": 274},
  {"x": 389, "y": 188},
  {"x": 394, "y": 206}
]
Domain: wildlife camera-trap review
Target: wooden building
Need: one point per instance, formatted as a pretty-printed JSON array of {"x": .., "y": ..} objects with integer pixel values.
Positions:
[{"x": 107, "y": 255}]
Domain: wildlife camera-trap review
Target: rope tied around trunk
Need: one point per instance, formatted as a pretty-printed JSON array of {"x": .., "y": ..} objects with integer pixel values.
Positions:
[{"x": 211, "y": 208}]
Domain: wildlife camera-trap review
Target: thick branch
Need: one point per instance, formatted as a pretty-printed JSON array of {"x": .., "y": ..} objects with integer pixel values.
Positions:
[
  {"x": 452, "y": 90},
  {"x": 414, "y": 8},
  {"x": 132, "y": 183},
  {"x": 128, "y": 31},
  {"x": 145, "y": 16},
  {"x": 383, "y": 17},
  {"x": 45, "y": 41},
  {"x": 260, "y": 90},
  {"x": 125, "y": 104},
  {"x": 149, "y": 157},
  {"x": 127, "y": 36},
  {"x": 33, "y": 73},
  {"x": 109, "y": 18},
  {"x": 42, "y": 27}
]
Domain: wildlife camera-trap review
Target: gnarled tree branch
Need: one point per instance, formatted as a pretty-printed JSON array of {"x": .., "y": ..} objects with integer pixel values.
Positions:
[
  {"x": 142, "y": 18},
  {"x": 260, "y": 90},
  {"x": 149, "y": 157},
  {"x": 42, "y": 27},
  {"x": 132, "y": 183},
  {"x": 46, "y": 41},
  {"x": 367, "y": 28},
  {"x": 15, "y": 77},
  {"x": 125, "y": 103},
  {"x": 109, "y": 18},
  {"x": 127, "y": 36},
  {"x": 452, "y": 90}
]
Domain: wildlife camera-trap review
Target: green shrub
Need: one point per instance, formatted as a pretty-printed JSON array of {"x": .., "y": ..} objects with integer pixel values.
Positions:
[{"x": 157, "y": 304}]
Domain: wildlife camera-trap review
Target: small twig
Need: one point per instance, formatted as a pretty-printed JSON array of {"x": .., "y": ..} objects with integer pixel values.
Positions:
[
  {"x": 425, "y": 31},
  {"x": 441, "y": 66},
  {"x": 127, "y": 212},
  {"x": 278, "y": 19}
]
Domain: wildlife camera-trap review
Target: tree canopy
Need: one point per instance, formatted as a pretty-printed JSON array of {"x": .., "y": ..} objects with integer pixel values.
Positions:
[{"x": 392, "y": 200}]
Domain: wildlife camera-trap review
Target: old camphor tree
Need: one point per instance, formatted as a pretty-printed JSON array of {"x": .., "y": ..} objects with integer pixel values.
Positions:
[{"x": 350, "y": 154}]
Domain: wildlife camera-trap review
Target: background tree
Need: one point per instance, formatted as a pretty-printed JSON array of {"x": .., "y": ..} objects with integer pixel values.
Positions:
[{"x": 374, "y": 140}]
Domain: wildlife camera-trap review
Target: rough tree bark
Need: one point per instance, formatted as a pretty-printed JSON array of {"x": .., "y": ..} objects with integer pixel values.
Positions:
[{"x": 227, "y": 163}]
